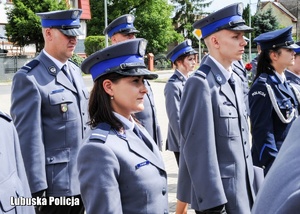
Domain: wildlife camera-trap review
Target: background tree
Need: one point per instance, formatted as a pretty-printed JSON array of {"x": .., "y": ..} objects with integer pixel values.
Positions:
[
  {"x": 24, "y": 26},
  {"x": 152, "y": 19},
  {"x": 186, "y": 13}
]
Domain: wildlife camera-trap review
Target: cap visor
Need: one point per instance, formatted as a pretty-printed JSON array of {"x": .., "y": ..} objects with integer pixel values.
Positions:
[
  {"x": 129, "y": 31},
  {"x": 72, "y": 32},
  {"x": 138, "y": 72}
]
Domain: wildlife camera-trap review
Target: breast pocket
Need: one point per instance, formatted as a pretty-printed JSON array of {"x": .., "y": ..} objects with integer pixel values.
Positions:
[
  {"x": 63, "y": 106},
  {"x": 228, "y": 124}
]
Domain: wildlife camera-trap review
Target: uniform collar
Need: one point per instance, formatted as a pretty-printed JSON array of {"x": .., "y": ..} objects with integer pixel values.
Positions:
[
  {"x": 129, "y": 123},
  {"x": 281, "y": 77},
  {"x": 58, "y": 63},
  {"x": 226, "y": 74}
]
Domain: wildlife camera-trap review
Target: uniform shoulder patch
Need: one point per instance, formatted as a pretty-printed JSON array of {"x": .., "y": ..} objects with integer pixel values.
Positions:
[
  {"x": 5, "y": 116},
  {"x": 173, "y": 78},
  {"x": 100, "y": 133},
  {"x": 30, "y": 65},
  {"x": 203, "y": 70}
]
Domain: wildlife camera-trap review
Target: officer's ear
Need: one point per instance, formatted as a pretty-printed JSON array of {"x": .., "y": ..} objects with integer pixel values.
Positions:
[
  {"x": 108, "y": 87},
  {"x": 274, "y": 55}
]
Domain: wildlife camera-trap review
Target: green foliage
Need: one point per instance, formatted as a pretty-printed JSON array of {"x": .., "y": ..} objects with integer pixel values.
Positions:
[
  {"x": 77, "y": 59},
  {"x": 93, "y": 44},
  {"x": 24, "y": 26},
  {"x": 264, "y": 22},
  {"x": 186, "y": 13},
  {"x": 152, "y": 20}
]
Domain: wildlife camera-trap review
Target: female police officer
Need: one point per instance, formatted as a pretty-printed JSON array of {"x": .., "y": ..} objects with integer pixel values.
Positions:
[
  {"x": 120, "y": 167},
  {"x": 273, "y": 102}
]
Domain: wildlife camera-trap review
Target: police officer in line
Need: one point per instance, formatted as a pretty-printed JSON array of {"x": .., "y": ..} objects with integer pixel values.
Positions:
[
  {"x": 215, "y": 170},
  {"x": 13, "y": 179},
  {"x": 121, "y": 170},
  {"x": 293, "y": 72},
  {"x": 273, "y": 101},
  {"x": 280, "y": 190},
  {"x": 184, "y": 59},
  {"x": 49, "y": 109},
  {"x": 122, "y": 29},
  {"x": 183, "y": 56}
]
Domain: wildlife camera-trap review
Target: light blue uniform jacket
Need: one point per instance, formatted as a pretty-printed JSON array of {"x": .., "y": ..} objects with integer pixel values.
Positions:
[
  {"x": 13, "y": 180},
  {"x": 120, "y": 174},
  {"x": 173, "y": 93},
  {"x": 50, "y": 115},
  {"x": 280, "y": 191},
  {"x": 215, "y": 162}
]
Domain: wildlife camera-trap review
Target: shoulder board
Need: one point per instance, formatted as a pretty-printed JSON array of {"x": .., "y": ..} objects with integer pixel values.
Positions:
[
  {"x": 100, "y": 133},
  {"x": 263, "y": 77},
  {"x": 203, "y": 70},
  {"x": 172, "y": 78},
  {"x": 30, "y": 65},
  {"x": 5, "y": 116},
  {"x": 73, "y": 62}
]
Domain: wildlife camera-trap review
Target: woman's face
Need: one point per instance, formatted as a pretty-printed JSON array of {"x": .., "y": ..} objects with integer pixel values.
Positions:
[
  {"x": 187, "y": 64},
  {"x": 286, "y": 58},
  {"x": 128, "y": 95}
]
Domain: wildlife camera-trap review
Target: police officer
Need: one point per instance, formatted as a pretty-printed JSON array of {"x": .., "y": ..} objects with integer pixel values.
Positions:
[
  {"x": 49, "y": 108},
  {"x": 120, "y": 167},
  {"x": 13, "y": 179},
  {"x": 122, "y": 29},
  {"x": 280, "y": 190},
  {"x": 183, "y": 57},
  {"x": 273, "y": 102},
  {"x": 215, "y": 168},
  {"x": 293, "y": 72}
]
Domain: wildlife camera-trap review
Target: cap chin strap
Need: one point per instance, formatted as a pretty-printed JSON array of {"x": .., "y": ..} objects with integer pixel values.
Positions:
[
  {"x": 125, "y": 66},
  {"x": 287, "y": 43},
  {"x": 232, "y": 24},
  {"x": 291, "y": 116}
]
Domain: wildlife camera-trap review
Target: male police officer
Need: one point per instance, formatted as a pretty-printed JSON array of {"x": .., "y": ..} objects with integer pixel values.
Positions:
[
  {"x": 49, "y": 108},
  {"x": 292, "y": 74},
  {"x": 13, "y": 180},
  {"x": 122, "y": 29},
  {"x": 216, "y": 170}
]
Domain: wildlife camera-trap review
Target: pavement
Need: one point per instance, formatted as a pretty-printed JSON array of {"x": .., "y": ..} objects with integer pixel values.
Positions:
[{"x": 158, "y": 91}]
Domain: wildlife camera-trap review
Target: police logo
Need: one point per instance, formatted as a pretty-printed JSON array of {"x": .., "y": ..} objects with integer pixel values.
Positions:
[
  {"x": 52, "y": 69},
  {"x": 64, "y": 107},
  {"x": 240, "y": 9},
  {"x": 130, "y": 18}
]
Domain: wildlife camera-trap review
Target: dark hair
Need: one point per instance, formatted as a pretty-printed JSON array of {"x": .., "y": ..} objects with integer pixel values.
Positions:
[
  {"x": 264, "y": 62},
  {"x": 100, "y": 108}
]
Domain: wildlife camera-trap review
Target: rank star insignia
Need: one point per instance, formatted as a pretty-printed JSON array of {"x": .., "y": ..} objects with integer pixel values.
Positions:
[{"x": 64, "y": 107}]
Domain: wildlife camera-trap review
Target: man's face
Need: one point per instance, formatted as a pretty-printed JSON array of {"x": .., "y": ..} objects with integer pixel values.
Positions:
[{"x": 119, "y": 37}]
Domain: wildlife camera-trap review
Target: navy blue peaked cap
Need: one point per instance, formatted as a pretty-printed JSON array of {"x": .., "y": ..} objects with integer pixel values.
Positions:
[
  {"x": 278, "y": 38},
  {"x": 229, "y": 18},
  {"x": 125, "y": 58},
  {"x": 184, "y": 48},
  {"x": 122, "y": 24},
  {"x": 67, "y": 21}
]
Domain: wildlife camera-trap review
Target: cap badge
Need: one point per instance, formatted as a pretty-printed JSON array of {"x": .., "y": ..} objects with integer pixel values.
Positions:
[
  {"x": 240, "y": 9},
  {"x": 129, "y": 19},
  {"x": 75, "y": 14}
]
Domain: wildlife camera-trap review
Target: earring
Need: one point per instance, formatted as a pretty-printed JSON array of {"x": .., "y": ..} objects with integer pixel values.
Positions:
[{"x": 112, "y": 97}]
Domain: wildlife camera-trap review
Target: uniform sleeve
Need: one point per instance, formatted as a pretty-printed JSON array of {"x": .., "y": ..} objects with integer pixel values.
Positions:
[
  {"x": 98, "y": 176},
  {"x": 26, "y": 114},
  {"x": 199, "y": 144},
  {"x": 173, "y": 96},
  {"x": 263, "y": 140}
]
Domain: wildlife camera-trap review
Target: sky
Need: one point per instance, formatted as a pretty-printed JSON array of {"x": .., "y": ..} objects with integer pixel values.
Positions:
[{"x": 219, "y": 4}]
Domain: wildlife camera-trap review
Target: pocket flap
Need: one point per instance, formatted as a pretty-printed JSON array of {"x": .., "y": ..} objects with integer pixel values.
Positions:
[
  {"x": 228, "y": 111},
  {"x": 54, "y": 156},
  {"x": 227, "y": 170},
  {"x": 62, "y": 97}
]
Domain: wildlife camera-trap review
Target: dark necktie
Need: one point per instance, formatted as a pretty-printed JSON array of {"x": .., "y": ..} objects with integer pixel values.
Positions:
[
  {"x": 231, "y": 82},
  {"x": 144, "y": 139},
  {"x": 68, "y": 75}
]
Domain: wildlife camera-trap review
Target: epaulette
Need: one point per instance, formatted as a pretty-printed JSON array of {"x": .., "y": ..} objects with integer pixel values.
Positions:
[
  {"x": 100, "y": 133},
  {"x": 5, "y": 116},
  {"x": 30, "y": 65},
  {"x": 203, "y": 70},
  {"x": 263, "y": 77},
  {"x": 173, "y": 78}
]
